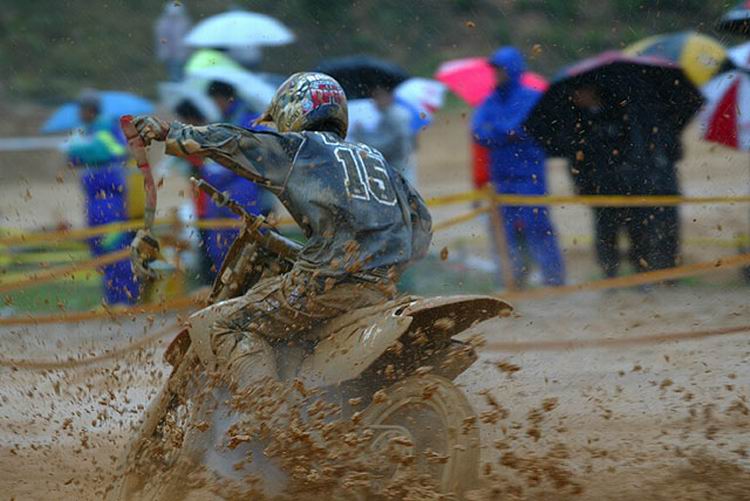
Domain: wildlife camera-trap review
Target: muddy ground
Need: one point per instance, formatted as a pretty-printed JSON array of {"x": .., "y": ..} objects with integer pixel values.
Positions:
[
  {"x": 653, "y": 420},
  {"x": 649, "y": 421}
]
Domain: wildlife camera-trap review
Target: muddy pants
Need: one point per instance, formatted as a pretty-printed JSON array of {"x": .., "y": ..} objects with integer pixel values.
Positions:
[{"x": 236, "y": 335}]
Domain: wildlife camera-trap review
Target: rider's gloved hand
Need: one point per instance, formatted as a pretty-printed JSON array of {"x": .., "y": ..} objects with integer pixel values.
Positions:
[
  {"x": 151, "y": 128},
  {"x": 144, "y": 250}
]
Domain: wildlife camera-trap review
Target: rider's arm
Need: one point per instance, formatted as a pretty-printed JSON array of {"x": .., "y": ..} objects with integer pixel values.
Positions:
[{"x": 264, "y": 157}]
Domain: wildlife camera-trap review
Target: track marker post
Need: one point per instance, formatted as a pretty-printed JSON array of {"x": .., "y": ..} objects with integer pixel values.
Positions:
[{"x": 501, "y": 240}]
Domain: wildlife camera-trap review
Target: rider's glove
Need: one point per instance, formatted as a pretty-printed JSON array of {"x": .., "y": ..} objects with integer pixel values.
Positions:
[
  {"x": 151, "y": 128},
  {"x": 144, "y": 250}
]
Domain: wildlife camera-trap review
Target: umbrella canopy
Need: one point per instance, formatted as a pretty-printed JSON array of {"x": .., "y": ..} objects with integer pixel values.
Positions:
[
  {"x": 239, "y": 28},
  {"x": 256, "y": 91},
  {"x": 193, "y": 91},
  {"x": 359, "y": 75},
  {"x": 700, "y": 56},
  {"x": 209, "y": 58},
  {"x": 726, "y": 117},
  {"x": 421, "y": 96},
  {"x": 473, "y": 79},
  {"x": 113, "y": 104},
  {"x": 737, "y": 20},
  {"x": 654, "y": 85}
]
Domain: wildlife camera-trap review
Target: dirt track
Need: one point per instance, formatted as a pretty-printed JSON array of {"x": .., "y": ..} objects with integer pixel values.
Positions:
[{"x": 650, "y": 421}]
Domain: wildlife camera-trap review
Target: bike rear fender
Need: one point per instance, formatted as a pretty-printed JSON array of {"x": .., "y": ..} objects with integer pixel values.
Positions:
[{"x": 405, "y": 334}]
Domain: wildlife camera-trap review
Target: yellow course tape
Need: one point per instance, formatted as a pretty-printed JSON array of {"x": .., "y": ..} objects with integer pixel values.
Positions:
[
  {"x": 60, "y": 272},
  {"x": 461, "y": 218},
  {"x": 616, "y": 200},
  {"x": 728, "y": 243},
  {"x": 469, "y": 196},
  {"x": 176, "y": 304}
]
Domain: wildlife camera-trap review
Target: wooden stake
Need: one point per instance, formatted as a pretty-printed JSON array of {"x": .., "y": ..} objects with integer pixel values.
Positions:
[{"x": 501, "y": 241}]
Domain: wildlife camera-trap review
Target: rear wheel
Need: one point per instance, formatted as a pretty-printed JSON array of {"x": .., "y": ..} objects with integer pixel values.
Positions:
[{"x": 425, "y": 427}]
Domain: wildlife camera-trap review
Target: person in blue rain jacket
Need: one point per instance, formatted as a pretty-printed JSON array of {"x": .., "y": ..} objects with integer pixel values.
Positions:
[
  {"x": 100, "y": 154},
  {"x": 254, "y": 199},
  {"x": 517, "y": 167}
]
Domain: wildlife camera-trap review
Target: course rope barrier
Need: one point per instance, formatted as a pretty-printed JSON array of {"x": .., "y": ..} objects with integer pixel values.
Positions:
[
  {"x": 70, "y": 363},
  {"x": 26, "y": 239},
  {"x": 588, "y": 344},
  {"x": 617, "y": 200},
  {"x": 460, "y": 219},
  {"x": 36, "y": 278},
  {"x": 645, "y": 278},
  {"x": 172, "y": 305}
]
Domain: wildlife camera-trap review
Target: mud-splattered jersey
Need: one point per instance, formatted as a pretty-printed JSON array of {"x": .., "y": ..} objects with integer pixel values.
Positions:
[{"x": 357, "y": 212}]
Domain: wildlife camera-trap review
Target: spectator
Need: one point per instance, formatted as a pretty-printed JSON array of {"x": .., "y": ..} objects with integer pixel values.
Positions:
[
  {"x": 255, "y": 199},
  {"x": 619, "y": 153},
  {"x": 170, "y": 30},
  {"x": 189, "y": 113},
  {"x": 517, "y": 167},
  {"x": 100, "y": 153},
  {"x": 233, "y": 109},
  {"x": 392, "y": 135}
]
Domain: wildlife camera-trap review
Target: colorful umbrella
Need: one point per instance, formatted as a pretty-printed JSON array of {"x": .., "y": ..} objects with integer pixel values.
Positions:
[
  {"x": 700, "y": 56},
  {"x": 210, "y": 58},
  {"x": 737, "y": 20},
  {"x": 238, "y": 28},
  {"x": 113, "y": 103},
  {"x": 473, "y": 79},
  {"x": 422, "y": 97},
  {"x": 655, "y": 85},
  {"x": 726, "y": 117}
]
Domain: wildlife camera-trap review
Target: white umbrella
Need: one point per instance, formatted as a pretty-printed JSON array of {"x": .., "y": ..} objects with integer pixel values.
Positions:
[
  {"x": 239, "y": 28},
  {"x": 254, "y": 90}
]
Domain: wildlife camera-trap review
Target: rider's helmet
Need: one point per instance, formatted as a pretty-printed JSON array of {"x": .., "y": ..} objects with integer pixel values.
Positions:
[{"x": 308, "y": 101}]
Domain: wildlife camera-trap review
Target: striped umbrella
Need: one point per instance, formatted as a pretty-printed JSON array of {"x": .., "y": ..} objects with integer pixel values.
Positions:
[
  {"x": 726, "y": 117},
  {"x": 700, "y": 56},
  {"x": 737, "y": 20}
]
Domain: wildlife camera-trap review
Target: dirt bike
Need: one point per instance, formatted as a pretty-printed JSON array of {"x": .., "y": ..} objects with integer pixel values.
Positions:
[{"x": 396, "y": 360}]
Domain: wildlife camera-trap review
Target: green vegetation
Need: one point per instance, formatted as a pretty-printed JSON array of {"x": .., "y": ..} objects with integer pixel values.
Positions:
[{"x": 49, "y": 49}]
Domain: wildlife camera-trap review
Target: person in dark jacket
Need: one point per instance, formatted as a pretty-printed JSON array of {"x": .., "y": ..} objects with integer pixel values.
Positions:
[
  {"x": 622, "y": 150},
  {"x": 517, "y": 167}
]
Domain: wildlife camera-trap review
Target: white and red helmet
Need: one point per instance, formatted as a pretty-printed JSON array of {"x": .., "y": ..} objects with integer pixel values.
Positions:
[{"x": 308, "y": 101}]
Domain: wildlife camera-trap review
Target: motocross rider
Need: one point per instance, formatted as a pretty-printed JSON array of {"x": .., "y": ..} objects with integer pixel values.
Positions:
[{"x": 363, "y": 222}]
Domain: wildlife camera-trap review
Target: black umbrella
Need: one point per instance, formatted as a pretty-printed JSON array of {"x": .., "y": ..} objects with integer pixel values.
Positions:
[
  {"x": 359, "y": 75},
  {"x": 737, "y": 20},
  {"x": 657, "y": 88}
]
